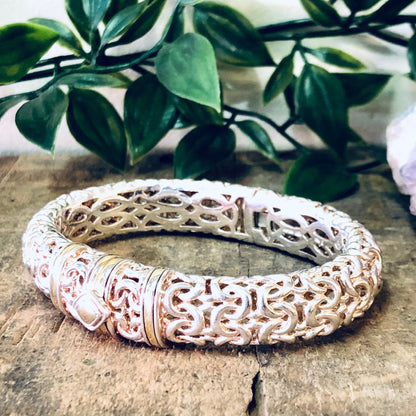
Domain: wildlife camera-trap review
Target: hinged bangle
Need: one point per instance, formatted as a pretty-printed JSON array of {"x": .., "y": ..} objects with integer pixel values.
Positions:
[{"x": 157, "y": 306}]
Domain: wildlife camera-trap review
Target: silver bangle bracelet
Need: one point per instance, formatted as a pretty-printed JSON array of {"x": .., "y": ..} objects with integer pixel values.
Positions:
[{"x": 157, "y": 306}]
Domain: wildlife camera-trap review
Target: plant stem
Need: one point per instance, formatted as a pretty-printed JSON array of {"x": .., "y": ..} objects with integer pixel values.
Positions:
[
  {"x": 269, "y": 31},
  {"x": 350, "y": 19},
  {"x": 108, "y": 69},
  {"x": 390, "y": 37},
  {"x": 45, "y": 73},
  {"x": 33, "y": 94},
  {"x": 364, "y": 166},
  {"x": 403, "y": 18},
  {"x": 124, "y": 59},
  {"x": 126, "y": 65},
  {"x": 23, "y": 96},
  {"x": 231, "y": 120},
  {"x": 268, "y": 36},
  {"x": 297, "y": 24},
  {"x": 350, "y": 26},
  {"x": 289, "y": 122},
  {"x": 140, "y": 70},
  {"x": 270, "y": 122},
  {"x": 141, "y": 56},
  {"x": 299, "y": 47},
  {"x": 57, "y": 60}
]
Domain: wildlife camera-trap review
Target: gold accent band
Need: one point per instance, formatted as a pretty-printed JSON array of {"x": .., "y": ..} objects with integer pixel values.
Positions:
[{"x": 150, "y": 308}]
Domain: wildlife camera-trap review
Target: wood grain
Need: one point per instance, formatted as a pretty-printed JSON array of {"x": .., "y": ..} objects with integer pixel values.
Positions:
[{"x": 49, "y": 364}]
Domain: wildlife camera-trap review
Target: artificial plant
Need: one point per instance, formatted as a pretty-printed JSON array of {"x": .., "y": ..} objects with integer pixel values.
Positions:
[{"x": 178, "y": 84}]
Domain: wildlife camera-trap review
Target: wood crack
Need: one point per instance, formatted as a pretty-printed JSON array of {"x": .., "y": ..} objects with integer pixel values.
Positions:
[
  {"x": 258, "y": 403},
  {"x": 6, "y": 323},
  {"x": 4, "y": 176},
  {"x": 58, "y": 322}
]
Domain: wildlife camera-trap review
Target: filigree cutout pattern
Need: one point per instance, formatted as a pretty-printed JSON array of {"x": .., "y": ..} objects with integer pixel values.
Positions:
[{"x": 145, "y": 304}]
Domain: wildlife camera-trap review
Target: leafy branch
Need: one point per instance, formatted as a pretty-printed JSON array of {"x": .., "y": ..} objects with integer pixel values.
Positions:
[{"x": 178, "y": 84}]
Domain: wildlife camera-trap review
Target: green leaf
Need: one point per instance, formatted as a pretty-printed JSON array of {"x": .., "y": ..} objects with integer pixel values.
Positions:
[
  {"x": 234, "y": 38},
  {"x": 388, "y": 10},
  {"x": 75, "y": 11},
  {"x": 66, "y": 37},
  {"x": 320, "y": 177},
  {"x": 177, "y": 26},
  {"x": 116, "y": 6},
  {"x": 336, "y": 57},
  {"x": 362, "y": 88},
  {"x": 145, "y": 22},
  {"x": 197, "y": 113},
  {"x": 321, "y": 104},
  {"x": 187, "y": 68},
  {"x": 121, "y": 22},
  {"x": 201, "y": 149},
  {"x": 7, "y": 103},
  {"x": 280, "y": 79},
  {"x": 91, "y": 80},
  {"x": 96, "y": 125},
  {"x": 94, "y": 11},
  {"x": 259, "y": 137},
  {"x": 189, "y": 2},
  {"x": 289, "y": 94},
  {"x": 39, "y": 119},
  {"x": 411, "y": 55},
  {"x": 358, "y": 5},
  {"x": 321, "y": 12},
  {"x": 21, "y": 47},
  {"x": 149, "y": 113}
]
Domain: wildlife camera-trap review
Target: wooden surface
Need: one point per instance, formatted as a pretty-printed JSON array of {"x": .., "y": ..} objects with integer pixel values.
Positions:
[{"x": 51, "y": 365}]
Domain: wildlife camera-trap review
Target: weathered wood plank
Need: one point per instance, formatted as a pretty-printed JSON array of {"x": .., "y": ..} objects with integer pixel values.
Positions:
[{"x": 51, "y": 365}]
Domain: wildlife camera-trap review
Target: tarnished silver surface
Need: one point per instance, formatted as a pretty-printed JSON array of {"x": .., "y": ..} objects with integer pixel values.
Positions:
[{"x": 153, "y": 305}]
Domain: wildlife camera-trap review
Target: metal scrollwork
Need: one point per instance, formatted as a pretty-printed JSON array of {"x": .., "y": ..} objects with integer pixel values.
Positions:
[{"x": 157, "y": 306}]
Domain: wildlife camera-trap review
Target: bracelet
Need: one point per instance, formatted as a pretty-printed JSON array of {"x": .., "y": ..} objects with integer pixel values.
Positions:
[{"x": 157, "y": 306}]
